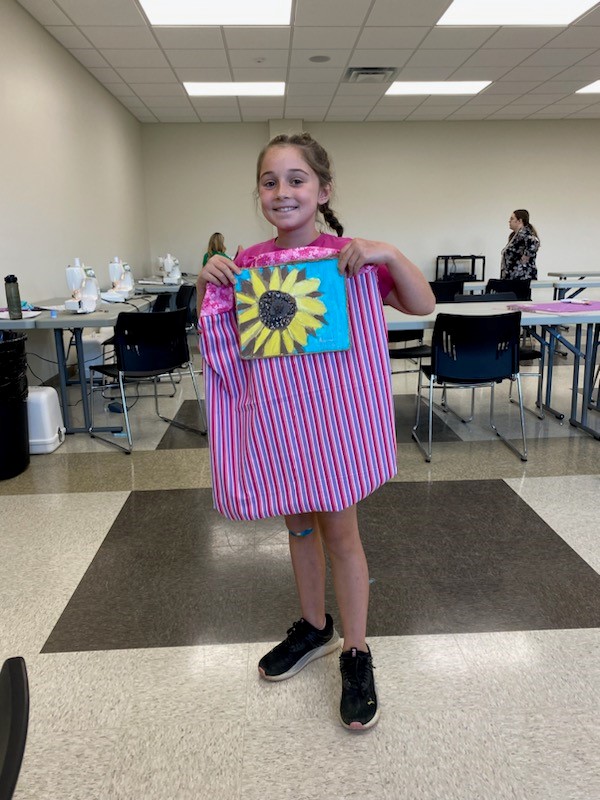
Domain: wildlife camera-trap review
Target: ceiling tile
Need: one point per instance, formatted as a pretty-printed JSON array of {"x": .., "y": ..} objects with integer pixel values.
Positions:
[
  {"x": 314, "y": 13},
  {"x": 221, "y": 116},
  {"x": 69, "y": 36},
  {"x": 105, "y": 74},
  {"x": 259, "y": 59},
  {"x": 245, "y": 74},
  {"x": 391, "y": 37},
  {"x": 512, "y": 87},
  {"x": 165, "y": 101},
  {"x": 197, "y": 59},
  {"x": 580, "y": 73},
  {"x": 121, "y": 90},
  {"x": 594, "y": 59},
  {"x": 315, "y": 75},
  {"x": 457, "y": 38},
  {"x": 500, "y": 57},
  {"x": 256, "y": 37},
  {"x": 424, "y": 73},
  {"x": 114, "y": 37},
  {"x": 89, "y": 57},
  {"x": 532, "y": 73},
  {"x": 577, "y": 37},
  {"x": 479, "y": 73},
  {"x": 337, "y": 58},
  {"x": 441, "y": 112},
  {"x": 308, "y": 114},
  {"x": 133, "y": 102},
  {"x": 556, "y": 57},
  {"x": 190, "y": 38},
  {"x": 441, "y": 100},
  {"x": 206, "y": 74},
  {"x": 135, "y": 75},
  {"x": 135, "y": 58},
  {"x": 107, "y": 12},
  {"x": 46, "y": 12},
  {"x": 391, "y": 12},
  {"x": 521, "y": 37},
  {"x": 591, "y": 18},
  {"x": 345, "y": 116},
  {"x": 568, "y": 87},
  {"x": 380, "y": 58},
  {"x": 473, "y": 113},
  {"x": 356, "y": 89},
  {"x": 439, "y": 58},
  {"x": 173, "y": 115},
  {"x": 329, "y": 38},
  {"x": 144, "y": 116},
  {"x": 387, "y": 115},
  {"x": 363, "y": 102}
]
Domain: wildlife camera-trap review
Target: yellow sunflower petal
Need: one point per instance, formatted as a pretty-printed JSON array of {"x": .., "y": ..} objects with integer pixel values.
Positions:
[
  {"x": 257, "y": 284},
  {"x": 305, "y": 287},
  {"x": 287, "y": 341},
  {"x": 307, "y": 320},
  {"x": 298, "y": 332},
  {"x": 289, "y": 281},
  {"x": 273, "y": 345},
  {"x": 261, "y": 338},
  {"x": 249, "y": 314},
  {"x": 275, "y": 282},
  {"x": 311, "y": 305},
  {"x": 248, "y": 333},
  {"x": 247, "y": 299}
]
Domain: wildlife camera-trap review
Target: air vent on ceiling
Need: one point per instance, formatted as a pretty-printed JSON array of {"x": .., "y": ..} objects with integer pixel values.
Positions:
[{"x": 370, "y": 74}]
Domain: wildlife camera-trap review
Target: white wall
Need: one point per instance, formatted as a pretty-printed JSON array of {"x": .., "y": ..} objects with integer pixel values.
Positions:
[
  {"x": 429, "y": 187},
  {"x": 200, "y": 179},
  {"x": 70, "y": 161}
]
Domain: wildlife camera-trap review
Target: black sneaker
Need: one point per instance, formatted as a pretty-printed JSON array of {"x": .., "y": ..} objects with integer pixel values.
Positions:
[
  {"x": 302, "y": 645},
  {"x": 358, "y": 707}
]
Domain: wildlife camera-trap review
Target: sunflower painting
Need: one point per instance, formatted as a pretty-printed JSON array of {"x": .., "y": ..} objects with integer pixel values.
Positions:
[{"x": 292, "y": 309}]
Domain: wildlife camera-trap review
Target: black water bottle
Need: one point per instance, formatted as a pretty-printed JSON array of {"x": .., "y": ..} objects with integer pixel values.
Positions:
[{"x": 13, "y": 297}]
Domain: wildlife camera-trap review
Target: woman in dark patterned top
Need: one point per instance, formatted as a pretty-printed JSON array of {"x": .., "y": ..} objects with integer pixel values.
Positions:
[{"x": 518, "y": 257}]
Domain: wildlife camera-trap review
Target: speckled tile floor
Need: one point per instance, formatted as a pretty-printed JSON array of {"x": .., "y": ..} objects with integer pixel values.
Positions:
[{"x": 142, "y": 614}]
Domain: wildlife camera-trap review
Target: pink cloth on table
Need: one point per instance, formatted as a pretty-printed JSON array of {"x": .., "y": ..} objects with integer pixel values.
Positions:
[{"x": 307, "y": 433}]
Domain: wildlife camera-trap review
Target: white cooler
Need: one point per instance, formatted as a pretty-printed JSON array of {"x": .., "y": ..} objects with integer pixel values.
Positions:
[{"x": 46, "y": 429}]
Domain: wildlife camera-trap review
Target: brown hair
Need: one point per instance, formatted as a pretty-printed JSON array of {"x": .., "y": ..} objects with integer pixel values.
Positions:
[
  {"x": 523, "y": 216},
  {"x": 317, "y": 159},
  {"x": 216, "y": 244}
]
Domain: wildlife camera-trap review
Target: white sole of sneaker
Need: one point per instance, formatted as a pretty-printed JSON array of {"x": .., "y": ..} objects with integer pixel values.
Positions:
[
  {"x": 333, "y": 644},
  {"x": 357, "y": 727}
]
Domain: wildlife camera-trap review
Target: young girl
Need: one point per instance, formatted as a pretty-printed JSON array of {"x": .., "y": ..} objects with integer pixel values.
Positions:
[{"x": 294, "y": 184}]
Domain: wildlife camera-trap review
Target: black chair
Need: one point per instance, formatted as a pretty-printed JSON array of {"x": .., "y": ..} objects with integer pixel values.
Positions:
[
  {"x": 445, "y": 291},
  {"x": 185, "y": 298},
  {"x": 14, "y": 721},
  {"x": 471, "y": 352},
  {"x": 147, "y": 346},
  {"x": 520, "y": 286},
  {"x": 498, "y": 297},
  {"x": 414, "y": 352}
]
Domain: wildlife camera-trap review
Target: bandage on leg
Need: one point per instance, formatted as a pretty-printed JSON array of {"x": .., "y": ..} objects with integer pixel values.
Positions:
[{"x": 302, "y": 533}]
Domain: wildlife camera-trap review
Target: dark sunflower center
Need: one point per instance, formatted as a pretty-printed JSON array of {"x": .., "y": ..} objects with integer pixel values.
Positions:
[{"x": 276, "y": 309}]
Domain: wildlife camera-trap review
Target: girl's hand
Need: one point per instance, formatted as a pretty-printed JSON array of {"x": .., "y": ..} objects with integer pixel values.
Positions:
[
  {"x": 219, "y": 270},
  {"x": 359, "y": 252}
]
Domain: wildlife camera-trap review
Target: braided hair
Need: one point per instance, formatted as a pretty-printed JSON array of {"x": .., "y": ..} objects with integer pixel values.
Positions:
[{"x": 317, "y": 159}]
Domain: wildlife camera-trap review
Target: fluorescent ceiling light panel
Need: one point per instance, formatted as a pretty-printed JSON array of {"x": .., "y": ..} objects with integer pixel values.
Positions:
[
  {"x": 221, "y": 12},
  {"x": 515, "y": 12},
  {"x": 240, "y": 89},
  {"x": 436, "y": 87},
  {"x": 592, "y": 88}
]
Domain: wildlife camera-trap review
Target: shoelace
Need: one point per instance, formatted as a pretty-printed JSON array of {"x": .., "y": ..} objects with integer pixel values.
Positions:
[{"x": 356, "y": 672}]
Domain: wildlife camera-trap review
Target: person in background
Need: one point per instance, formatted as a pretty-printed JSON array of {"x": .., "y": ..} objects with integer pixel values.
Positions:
[
  {"x": 216, "y": 246},
  {"x": 518, "y": 257},
  {"x": 294, "y": 184}
]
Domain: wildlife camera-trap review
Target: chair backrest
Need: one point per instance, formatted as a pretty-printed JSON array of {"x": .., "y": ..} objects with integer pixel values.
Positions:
[
  {"x": 14, "y": 720},
  {"x": 444, "y": 291},
  {"x": 473, "y": 348},
  {"x": 498, "y": 297},
  {"x": 186, "y": 298},
  {"x": 520, "y": 286},
  {"x": 151, "y": 342}
]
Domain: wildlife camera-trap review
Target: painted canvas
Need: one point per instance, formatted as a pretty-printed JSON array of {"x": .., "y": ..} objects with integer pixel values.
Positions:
[{"x": 292, "y": 309}]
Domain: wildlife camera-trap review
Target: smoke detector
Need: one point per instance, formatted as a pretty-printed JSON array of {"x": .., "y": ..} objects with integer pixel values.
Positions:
[{"x": 370, "y": 74}]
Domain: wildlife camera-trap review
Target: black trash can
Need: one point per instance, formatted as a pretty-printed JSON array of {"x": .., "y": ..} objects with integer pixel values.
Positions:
[{"x": 14, "y": 426}]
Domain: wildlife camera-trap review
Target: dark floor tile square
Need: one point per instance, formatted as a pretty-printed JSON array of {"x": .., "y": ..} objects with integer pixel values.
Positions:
[
  {"x": 444, "y": 557},
  {"x": 404, "y": 411},
  {"x": 175, "y": 438}
]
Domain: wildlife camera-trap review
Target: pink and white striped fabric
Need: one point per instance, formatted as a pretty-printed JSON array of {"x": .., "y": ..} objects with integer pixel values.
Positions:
[{"x": 310, "y": 433}]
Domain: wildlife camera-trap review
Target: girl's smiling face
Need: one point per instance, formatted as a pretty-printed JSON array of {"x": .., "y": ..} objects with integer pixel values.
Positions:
[{"x": 289, "y": 194}]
